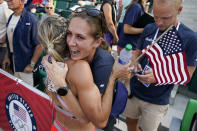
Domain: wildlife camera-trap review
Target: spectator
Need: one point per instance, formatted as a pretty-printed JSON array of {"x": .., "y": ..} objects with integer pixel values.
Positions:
[
  {"x": 83, "y": 99},
  {"x": 129, "y": 33},
  {"x": 49, "y": 9},
  {"x": 4, "y": 15},
  {"x": 38, "y": 6},
  {"x": 24, "y": 49},
  {"x": 150, "y": 101},
  {"x": 109, "y": 9}
]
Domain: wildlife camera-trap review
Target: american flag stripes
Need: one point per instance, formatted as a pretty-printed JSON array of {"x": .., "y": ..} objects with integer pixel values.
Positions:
[
  {"x": 168, "y": 60},
  {"x": 20, "y": 112}
]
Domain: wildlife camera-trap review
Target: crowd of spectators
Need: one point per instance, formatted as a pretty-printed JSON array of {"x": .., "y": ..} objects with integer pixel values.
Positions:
[{"x": 20, "y": 49}]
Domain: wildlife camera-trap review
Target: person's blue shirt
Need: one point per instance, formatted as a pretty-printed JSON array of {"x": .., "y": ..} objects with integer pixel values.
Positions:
[
  {"x": 24, "y": 40},
  {"x": 101, "y": 67},
  {"x": 131, "y": 16},
  {"x": 160, "y": 94}
]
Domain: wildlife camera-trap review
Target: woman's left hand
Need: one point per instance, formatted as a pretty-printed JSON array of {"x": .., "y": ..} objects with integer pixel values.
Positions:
[
  {"x": 55, "y": 72},
  {"x": 121, "y": 71}
]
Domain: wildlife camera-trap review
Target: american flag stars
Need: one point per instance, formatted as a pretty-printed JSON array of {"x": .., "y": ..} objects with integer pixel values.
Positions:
[{"x": 170, "y": 43}]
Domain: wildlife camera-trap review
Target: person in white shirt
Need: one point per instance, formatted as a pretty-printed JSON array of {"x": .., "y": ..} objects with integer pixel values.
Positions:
[
  {"x": 4, "y": 15},
  {"x": 23, "y": 49}
]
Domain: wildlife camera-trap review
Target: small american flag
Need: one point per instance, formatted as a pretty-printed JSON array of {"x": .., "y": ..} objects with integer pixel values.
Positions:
[
  {"x": 20, "y": 112},
  {"x": 168, "y": 59}
]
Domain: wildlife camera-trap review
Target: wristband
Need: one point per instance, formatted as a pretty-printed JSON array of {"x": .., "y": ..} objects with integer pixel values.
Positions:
[
  {"x": 62, "y": 91},
  {"x": 32, "y": 64}
]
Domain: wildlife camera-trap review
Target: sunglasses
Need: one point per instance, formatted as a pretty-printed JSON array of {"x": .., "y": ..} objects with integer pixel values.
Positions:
[
  {"x": 91, "y": 12},
  {"x": 49, "y": 8}
]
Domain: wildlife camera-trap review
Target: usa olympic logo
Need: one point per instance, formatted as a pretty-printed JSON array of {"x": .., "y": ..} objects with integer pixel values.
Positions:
[{"x": 19, "y": 114}]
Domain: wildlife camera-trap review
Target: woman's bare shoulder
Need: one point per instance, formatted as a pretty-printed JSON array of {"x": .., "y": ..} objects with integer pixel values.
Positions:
[
  {"x": 77, "y": 64},
  {"x": 80, "y": 74},
  {"x": 78, "y": 69}
]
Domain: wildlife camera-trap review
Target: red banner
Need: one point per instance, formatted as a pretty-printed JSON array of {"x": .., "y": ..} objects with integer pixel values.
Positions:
[{"x": 22, "y": 107}]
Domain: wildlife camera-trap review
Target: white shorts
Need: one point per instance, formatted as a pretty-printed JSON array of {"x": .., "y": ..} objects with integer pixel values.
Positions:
[{"x": 26, "y": 77}]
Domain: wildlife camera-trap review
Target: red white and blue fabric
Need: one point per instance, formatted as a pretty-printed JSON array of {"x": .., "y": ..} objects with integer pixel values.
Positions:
[
  {"x": 20, "y": 112},
  {"x": 37, "y": 101},
  {"x": 168, "y": 59}
]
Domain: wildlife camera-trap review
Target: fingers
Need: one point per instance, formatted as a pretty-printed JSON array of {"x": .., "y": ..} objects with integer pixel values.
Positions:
[
  {"x": 53, "y": 68},
  {"x": 147, "y": 77},
  {"x": 28, "y": 69},
  {"x": 143, "y": 78},
  {"x": 139, "y": 68},
  {"x": 48, "y": 63},
  {"x": 148, "y": 72},
  {"x": 44, "y": 60},
  {"x": 121, "y": 71},
  {"x": 5, "y": 65},
  {"x": 51, "y": 59}
]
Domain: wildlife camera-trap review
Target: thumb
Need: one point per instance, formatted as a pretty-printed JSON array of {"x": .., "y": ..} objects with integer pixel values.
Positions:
[{"x": 148, "y": 72}]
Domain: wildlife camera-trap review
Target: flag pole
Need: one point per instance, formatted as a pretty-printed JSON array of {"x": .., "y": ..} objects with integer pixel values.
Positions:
[{"x": 150, "y": 46}]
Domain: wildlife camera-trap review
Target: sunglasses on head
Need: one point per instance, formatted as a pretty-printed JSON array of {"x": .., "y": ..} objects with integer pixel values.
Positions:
[
  {"x": 91, "y": 12},
  {"x": 49, "y": 8}
]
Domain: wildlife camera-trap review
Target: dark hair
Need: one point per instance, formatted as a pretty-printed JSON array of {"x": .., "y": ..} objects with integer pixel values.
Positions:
[
  {"x": 132, "y": 3},
  {"x": 98, "y": 26}
]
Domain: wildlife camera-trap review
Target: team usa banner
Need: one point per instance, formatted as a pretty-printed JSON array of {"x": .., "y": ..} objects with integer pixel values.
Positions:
[{"x": 22, "y": 107}]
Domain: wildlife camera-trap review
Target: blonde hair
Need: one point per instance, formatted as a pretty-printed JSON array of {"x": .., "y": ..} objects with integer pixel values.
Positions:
[
  {"x": 52, "y": 36},
  {"x": 177, "y": 3}
]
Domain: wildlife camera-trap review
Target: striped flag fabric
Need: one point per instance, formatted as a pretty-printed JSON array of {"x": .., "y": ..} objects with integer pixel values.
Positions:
[
  {"x": 20, "y": 112},
  {"x": 168, "y": 59}
]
